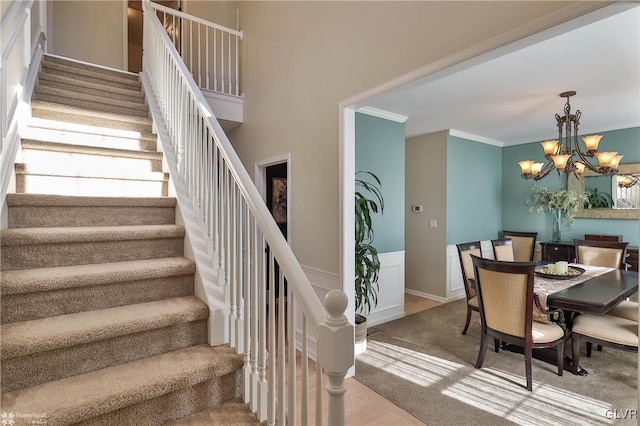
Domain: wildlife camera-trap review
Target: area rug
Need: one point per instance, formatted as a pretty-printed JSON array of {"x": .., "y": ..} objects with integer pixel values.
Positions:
[{"x": 423, "y": 364}]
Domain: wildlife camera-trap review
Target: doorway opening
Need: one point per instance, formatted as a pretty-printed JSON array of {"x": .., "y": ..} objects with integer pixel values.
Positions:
[
  {"x": 134, "y": 31},
  {"x": 274, "y": 184}
]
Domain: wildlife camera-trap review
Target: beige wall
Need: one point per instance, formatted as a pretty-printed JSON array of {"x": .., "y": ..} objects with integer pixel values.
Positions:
[
  {"x": 5, "y": 5},
  {"x": 218, "y": 12},
  {"x": 90, "y": 31},
  {"x": 425, "y": 247},
  {"x": 300, "y": 59}
]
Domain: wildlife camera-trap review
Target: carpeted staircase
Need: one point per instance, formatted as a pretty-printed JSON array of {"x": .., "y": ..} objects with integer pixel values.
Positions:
[{"x": 99, "y": 321}]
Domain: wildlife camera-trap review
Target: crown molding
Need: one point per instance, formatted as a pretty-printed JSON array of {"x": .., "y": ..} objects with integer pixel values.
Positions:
[
  {"x": 471, "y": 136},
  {"x": 382, "y": 114}
]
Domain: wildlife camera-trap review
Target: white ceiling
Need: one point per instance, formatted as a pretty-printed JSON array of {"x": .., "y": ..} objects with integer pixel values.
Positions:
[{"x": 510, "y": 96}]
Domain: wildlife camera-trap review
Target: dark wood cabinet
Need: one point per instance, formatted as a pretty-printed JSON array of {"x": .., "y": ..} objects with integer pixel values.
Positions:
[{"x": 554, "y": 251}]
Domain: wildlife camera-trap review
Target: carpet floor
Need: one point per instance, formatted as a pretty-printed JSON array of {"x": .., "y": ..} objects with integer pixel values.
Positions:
[{"x": 425, "y": 366}]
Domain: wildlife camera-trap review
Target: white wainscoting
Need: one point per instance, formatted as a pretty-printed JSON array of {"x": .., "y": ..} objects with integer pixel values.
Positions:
[
  {"x": 391, "y": 282},
  {"x": 391, "y": 289}
]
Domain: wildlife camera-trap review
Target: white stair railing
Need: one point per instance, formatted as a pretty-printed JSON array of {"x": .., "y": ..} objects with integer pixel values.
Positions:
[
  {"x": 22, "y": 39},
  {"x": 271, "y": 330},
  {"x": 209, "y": 51}
]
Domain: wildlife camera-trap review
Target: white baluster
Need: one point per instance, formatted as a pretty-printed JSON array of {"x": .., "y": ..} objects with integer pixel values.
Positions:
[
  {"x": 281, "y": 415},
  {"x": 232, "y": 262},
  {"x": 248, "y": 302},
  {"x": 229, "y": 62},
  {"x": 304, "y": 359},
  {"x": 206, "y": 53},
  {"x": 254, "y": 319},
  {"x": 240, "y": 284},
  {"x": 291, "y": 331},
  {"x": 191, "y": 46},
  {"x": 271, "y": 404},
  {"x": 229, "y": 255},
  {"x": 199, "y": 56},
  {"x": 237, "y": 93},
  {"x": 260, "y": 261},
  {"x": 222, "y": 67},
  {"x": 215, "y": 60}
]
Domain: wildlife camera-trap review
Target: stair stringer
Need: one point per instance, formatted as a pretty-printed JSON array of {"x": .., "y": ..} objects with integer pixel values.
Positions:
[{"x": 208, "y": 280}]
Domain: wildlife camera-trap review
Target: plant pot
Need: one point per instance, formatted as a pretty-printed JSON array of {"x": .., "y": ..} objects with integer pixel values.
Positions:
[{"x": 361, "y": 334}]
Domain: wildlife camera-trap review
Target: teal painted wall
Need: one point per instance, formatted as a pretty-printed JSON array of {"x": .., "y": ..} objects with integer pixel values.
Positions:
[
  {"x": 515, "y": 190},
  {"x": 474, "y": 190},
  {"x": 380, "y": 149}
]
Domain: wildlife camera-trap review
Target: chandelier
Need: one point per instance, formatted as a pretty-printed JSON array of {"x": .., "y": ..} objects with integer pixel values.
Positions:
[
  {"x": 627, "y": 181},
  {"x": 565, "y": 155}
]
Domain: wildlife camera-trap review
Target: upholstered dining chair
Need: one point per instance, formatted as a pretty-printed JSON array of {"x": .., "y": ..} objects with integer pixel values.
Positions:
[
  {"x": 611, "y": 254},
  {"x": 503, "y": 249},
  {"x": 601, "y": 253},
  {"x": 465, "y": 250},
  {"x": 506, "y": 298},
  {"x": 524, "y": 244},
  {"x": 603, "y": 330}
]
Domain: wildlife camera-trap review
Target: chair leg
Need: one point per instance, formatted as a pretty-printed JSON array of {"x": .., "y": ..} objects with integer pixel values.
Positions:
[
  {"x": 560, "y": 359},
  {"x": 466, "y": 326},
  {"x": 496, "y": 345},
  {"x": 483, "y": 349},
  {"x": 599, "y": 348},
  {"x": 589, "y": 348},
  {"x": 528, "y": 352},
  {"x": 575, "y": 352}
]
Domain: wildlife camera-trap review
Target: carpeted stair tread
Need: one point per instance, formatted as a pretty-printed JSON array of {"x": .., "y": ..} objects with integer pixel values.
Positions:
[
  {"x": 45, "y": 334},
  {"x": 231, "y": 413},
  {"x": 63, "y": 82},
  {"x": 48, "y": 279},
  {"x": 23, "y": 236},
  {"x": 53, "y": 171},
  {"x": 74, "y": 95},
  {"x": 49, "y": 58},
  {"x": 90, "y": 150},
  {"x": 94, "y": 72},
  {"x": 109, "y": 117},
  {"x": 97, "y": 139},
  {"x": 84, "y": 396},
  {"x": 42, "y": 128},
  {"x": 91, "y": 104},
  {"x": 39, "y": 200}
]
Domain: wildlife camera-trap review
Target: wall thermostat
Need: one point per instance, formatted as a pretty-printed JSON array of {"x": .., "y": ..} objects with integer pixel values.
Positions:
[{"x": 416, "y": 208}]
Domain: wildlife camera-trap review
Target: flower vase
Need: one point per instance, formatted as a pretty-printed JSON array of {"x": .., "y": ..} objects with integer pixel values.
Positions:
[{"x": 556, "y": 218}]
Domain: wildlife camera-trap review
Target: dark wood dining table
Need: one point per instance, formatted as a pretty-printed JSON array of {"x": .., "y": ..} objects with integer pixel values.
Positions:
[{"x": 597, "y": 295}]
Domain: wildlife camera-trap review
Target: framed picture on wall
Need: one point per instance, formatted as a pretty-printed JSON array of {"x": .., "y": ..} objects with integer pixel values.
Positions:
[{"x": 279, "y": 199}]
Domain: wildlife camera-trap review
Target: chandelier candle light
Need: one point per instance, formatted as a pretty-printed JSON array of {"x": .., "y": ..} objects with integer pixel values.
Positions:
[
  {"x": 627, "y": 181},
  {"x": 565, "y": 155}
]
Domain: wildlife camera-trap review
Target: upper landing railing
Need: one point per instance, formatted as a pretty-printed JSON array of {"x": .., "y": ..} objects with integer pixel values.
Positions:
[{"x": 209, "y": 51}]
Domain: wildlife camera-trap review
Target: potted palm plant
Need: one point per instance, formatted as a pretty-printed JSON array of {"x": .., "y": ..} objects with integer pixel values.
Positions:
[{"x": 368, "y": 201}]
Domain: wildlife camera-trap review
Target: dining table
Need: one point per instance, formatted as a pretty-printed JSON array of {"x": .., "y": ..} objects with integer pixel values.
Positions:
[{"x": 596, "y": 290}]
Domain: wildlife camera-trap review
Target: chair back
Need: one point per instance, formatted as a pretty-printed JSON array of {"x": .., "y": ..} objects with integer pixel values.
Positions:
[
  {"x": 601, "y": 253},
  {"x": 503, "y": 249},
  {"x": 465, "y": 250},
  {"x": 524, "y": 244},
  {"x": 505, "y": 295},
  {"x": 603, "y": 237}
]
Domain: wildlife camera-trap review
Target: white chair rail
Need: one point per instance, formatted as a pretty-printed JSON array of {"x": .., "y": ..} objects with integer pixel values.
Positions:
[{"x": 275, "y": 316}]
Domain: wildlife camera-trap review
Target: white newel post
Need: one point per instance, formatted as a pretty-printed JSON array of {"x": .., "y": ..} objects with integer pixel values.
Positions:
[{"x": 335, "y": 352}]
